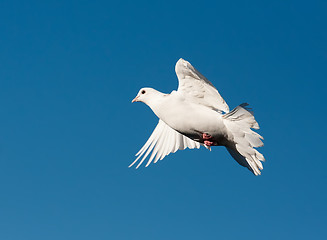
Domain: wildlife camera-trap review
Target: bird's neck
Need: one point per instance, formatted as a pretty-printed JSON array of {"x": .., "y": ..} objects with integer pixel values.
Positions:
[
  {"x": 158, "y": 103},
  {"x": 164, "y": 106}
]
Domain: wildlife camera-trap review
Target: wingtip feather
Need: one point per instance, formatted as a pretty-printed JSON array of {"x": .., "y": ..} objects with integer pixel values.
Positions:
[{"x": 163, "y": 140}]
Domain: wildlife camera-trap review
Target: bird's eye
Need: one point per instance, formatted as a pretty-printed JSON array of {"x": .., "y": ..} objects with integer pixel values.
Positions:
[{"x": 143, "y": 91}]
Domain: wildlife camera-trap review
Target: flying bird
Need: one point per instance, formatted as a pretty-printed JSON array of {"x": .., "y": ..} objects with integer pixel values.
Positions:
[{"x": 196, "y": 115}]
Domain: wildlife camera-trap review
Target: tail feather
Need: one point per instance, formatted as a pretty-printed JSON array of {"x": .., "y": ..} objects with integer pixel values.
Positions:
[{"x": 239, "y": 122}]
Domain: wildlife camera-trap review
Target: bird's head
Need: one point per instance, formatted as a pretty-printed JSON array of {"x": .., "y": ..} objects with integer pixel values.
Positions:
[{"x": 145, "y": 94}]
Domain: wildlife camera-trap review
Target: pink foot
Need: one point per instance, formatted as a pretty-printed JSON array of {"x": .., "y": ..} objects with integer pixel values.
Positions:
[
  {"x": 208, "y": 140},
  {"x": 208, "y": 143},
  {"x": 206, "y": 136}
]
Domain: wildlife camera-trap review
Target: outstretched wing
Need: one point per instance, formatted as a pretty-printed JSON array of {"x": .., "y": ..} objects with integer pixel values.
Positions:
[
  {"x": 163, "y": 140},
  {"x": 196, "y": 88}
]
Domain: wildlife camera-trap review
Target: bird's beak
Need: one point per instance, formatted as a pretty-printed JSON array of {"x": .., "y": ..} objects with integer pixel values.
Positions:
[{"x": 135, "y": 99}]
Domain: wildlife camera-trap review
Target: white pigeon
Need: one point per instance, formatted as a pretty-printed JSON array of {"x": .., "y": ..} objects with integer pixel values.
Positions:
[{"x": 197, "y": 115}]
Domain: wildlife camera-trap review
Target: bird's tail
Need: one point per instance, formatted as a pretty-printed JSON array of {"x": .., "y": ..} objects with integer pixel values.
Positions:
[{"x": 239, "y": 122}]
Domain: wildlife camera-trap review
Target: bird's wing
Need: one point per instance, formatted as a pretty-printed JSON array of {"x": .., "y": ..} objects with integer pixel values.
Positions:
[
  {"x": 196, "y": 88},
  {"x": 163, "y": 140}
]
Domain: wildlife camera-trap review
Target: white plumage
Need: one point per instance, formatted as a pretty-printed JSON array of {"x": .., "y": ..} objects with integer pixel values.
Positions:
[{"x": 197, "y": 115}]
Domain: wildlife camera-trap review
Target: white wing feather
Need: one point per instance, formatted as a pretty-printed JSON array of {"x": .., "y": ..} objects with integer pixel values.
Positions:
[
  {"x": 163, "y": 141},
  {"x": 196, "y": 88}
]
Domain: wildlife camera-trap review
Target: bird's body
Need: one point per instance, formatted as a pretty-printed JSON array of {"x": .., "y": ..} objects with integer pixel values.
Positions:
[
  {"x": 189, "y": 119},
  {"x": 197, "y": 115}
]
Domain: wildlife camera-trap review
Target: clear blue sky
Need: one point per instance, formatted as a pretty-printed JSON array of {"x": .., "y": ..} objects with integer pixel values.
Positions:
[{"x": 68, "y": 130}]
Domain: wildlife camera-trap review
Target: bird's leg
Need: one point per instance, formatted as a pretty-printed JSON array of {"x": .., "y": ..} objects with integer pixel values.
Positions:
[{"x": 207, "y": 139}]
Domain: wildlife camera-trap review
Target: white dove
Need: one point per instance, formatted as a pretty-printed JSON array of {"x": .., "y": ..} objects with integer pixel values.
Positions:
[{"x": 197, "y": 115}]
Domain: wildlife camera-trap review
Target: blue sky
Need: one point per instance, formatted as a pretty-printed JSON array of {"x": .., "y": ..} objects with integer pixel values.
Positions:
[{"x": 68, "y": 130}]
